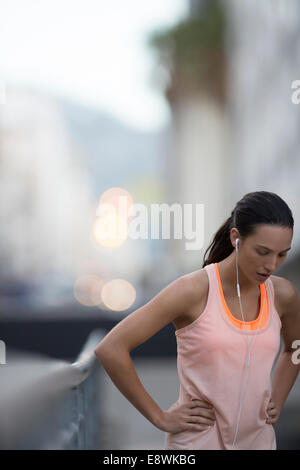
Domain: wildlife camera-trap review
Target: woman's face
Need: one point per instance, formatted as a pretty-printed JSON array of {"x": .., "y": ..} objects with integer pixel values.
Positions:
[{"x": 264, "y": 251}]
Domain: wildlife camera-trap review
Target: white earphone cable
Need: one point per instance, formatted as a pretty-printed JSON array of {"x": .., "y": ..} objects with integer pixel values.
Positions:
[{"x": 249, "y": 348}]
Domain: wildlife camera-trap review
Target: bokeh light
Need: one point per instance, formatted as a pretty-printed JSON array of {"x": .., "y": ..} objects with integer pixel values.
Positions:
[
  {"x": 87, "y": 290},
  {"x": 111, "y": 226},
  {"x": 118, "y": 294}
]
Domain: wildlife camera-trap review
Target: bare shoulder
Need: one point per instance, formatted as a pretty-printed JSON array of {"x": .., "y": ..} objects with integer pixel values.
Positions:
[
  {"x": 196, "y": 284},
  {"x": 191, "y": 285},
  {"x": 196, "y": 287},
  {"x": 286, "y": 295}
]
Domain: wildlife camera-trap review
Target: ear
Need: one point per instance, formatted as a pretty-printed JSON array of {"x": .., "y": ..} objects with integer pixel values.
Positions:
[{"x": 234, "y": 234}]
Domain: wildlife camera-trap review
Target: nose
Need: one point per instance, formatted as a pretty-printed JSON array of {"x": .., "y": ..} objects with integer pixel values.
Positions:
[{"x": 271, "y": 266}]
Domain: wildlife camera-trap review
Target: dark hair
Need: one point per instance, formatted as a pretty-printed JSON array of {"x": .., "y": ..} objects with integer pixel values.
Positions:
[{"x": 259, "y": 207}]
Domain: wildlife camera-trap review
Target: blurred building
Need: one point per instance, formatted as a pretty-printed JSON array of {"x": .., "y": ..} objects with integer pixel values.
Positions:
[
  {"x": 45, "y": 201},
  {"x": 234, "y": 127},
  {"x": 264, "y": 59},
  {"x": 198, "y": 166}
]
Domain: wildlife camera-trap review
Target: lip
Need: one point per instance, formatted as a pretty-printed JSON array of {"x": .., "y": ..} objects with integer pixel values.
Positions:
[{"x": 263, "y": 277}]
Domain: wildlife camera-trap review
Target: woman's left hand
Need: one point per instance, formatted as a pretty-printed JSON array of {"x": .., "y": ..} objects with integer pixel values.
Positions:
[{"x": 272, "y": 412}]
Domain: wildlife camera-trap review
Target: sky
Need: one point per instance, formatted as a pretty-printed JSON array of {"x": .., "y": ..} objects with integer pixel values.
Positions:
[{"x": 92, "y": 51}]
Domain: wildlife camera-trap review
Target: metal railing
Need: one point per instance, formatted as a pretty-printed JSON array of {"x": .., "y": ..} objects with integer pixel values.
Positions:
[{"x": 47, "y": 403}]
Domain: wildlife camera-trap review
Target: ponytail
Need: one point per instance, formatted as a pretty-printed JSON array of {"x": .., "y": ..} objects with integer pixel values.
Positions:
[{"x": 221, "y": 246}]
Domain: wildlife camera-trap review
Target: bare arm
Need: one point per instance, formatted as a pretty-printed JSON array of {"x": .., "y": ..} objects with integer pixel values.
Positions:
[
  {"x": 114, "y": 350},
  {"x": 119, "y": 366},
  {"x": 285, "y": 372}
]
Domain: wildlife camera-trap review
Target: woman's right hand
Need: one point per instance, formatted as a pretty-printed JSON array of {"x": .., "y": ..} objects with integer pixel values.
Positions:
[{"x": 195, "y": 415}]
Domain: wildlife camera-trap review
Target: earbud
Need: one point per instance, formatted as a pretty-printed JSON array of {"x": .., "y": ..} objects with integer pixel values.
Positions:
[{"x": 236, "y": 242}]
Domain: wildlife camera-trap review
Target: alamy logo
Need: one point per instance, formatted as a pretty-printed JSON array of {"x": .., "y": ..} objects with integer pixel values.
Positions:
[
  {"x": 296, "y": 94},
  {"x": 2, "y": 352},
  {"x": 121, "y": 220},
  {"x": 296, "y": 354}
]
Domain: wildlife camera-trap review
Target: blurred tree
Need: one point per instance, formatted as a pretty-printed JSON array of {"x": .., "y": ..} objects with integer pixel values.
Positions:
[{"x": 193, "y": 53}]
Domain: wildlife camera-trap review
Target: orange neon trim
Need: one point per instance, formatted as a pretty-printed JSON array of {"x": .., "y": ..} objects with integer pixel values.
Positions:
[{"x": 248, "y": 325}]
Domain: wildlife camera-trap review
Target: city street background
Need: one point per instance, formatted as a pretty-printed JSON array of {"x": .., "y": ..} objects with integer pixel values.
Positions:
[{"x": 173, "y": 101}]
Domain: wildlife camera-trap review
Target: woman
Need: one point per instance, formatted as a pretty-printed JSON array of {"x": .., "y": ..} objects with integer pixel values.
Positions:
[{"x": 226, "y": 344}]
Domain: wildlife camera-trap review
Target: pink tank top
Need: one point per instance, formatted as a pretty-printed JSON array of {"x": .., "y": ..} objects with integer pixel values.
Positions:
[{"x": 212, "y": 354}]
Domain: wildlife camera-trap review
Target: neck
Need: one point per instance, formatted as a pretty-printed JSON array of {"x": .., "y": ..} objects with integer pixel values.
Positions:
[{"x": 227, "y": 268}]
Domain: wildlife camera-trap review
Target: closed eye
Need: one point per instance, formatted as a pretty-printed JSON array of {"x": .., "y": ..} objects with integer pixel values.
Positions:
[{"x": 264, "y": 254}]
